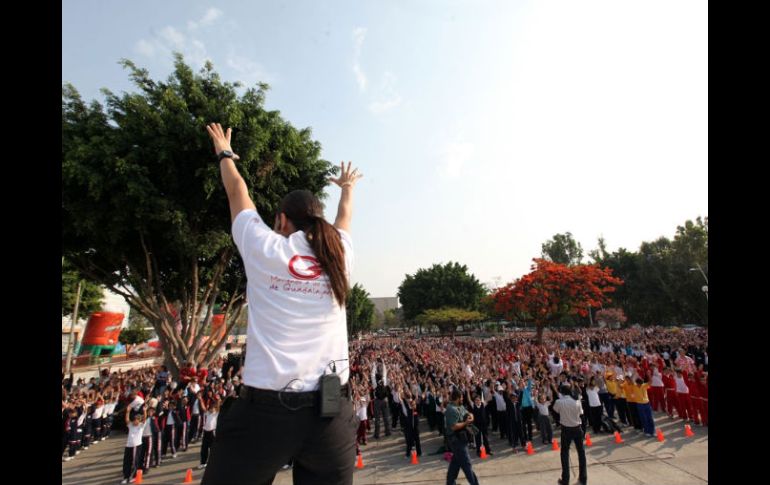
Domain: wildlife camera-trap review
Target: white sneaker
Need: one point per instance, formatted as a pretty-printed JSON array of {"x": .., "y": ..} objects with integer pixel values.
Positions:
[
  {"x": 67, "y": 458},
  {"x": 285, "y": 467},
  {"x": 173, "y": 456},
  {"x": 124, "y": 481},
  {"x": 77, "y": 452},
  {"x": 104, "y": 438},
  {"x": 201, "y": 466}
]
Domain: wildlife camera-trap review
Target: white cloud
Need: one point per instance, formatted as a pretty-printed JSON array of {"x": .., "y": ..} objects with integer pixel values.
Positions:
[
  {"x": 173, "y": 37},
  {"x": 454, "y": 155},
  {"x": 388, "y": 97},
  {"x": 145, "y": 48},
  {"x": 211, "y": 15},
  {"x": 249, "y": 72},
  {"x": 359, "y": 35}
]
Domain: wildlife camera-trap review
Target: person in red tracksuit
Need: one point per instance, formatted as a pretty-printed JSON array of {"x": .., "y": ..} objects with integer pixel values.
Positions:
[
  {"x": 656, "y": 391},
  {"x": 685, "y": 410},
  {"x": 670, "y": 386},
  {"x": 701, "y": 381}
]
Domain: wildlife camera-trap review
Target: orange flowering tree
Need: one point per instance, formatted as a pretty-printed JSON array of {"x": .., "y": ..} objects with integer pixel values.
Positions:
[{"x": 553, "y": 290}]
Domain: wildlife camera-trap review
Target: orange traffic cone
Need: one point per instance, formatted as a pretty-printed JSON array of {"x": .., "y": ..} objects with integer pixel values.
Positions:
[
  {"x": 188, "y": 477},
  {"x": 660, "y": 436},
  {"x": 555, "y": 446},
  {"x": 483, "y": 453},
  {"x": 688, "y": 431},
  {"x": 530, "y": 450},
  {"x": 414, "y": 458},
  {"x": 588, "y": 440},
  {"x": 360, "y": 462},
  {"x": 138, "y": 478},
  {"x": 618, "y": 439}
]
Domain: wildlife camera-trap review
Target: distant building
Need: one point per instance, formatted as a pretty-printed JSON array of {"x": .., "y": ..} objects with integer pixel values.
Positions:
[{"x": 382, "y": 304}]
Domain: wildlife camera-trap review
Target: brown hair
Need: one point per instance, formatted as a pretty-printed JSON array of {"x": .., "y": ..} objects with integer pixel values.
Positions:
[{"x": 305, "y": 211}]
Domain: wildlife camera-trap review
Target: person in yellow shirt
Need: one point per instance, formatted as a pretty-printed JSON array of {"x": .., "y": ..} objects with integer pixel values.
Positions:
[
  {"x": 620, "y": 398},
  {"x": 643, "y": 407},
  {"x": 612, "y": 390},
  {"x": 631, "y": 401}
]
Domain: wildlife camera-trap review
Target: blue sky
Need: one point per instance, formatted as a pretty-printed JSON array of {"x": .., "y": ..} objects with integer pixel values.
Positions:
[{"x": 483, "y": 128}]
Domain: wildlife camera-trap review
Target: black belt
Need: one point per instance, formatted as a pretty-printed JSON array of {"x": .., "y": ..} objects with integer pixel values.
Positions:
[{"x": 292, "y": 399}]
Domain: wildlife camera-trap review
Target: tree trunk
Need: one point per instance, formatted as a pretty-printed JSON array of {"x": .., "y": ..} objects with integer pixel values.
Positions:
[
  {"x": 539, "y": 336},
  {"x": 73, "y": 321}
]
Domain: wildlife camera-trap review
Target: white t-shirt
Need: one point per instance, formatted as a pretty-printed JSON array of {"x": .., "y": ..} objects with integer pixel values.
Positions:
[
  {"x": 135, "y": 434},
  {"x": 543, "y": 408},
  {"x": 657, "y": 380},
  {"x": 556, "y": 369},
  {"x": 361, "y": 409},
  {"x": 500, "y": 402},
  {"x": 98, "y": 412},
  {"x": 593, "y": 397},
  {"x": 680, "y": 385},
  {"x": 210, "y": 421},
  {"x": 295, "y": 326},
  {"x": 147, "y": 428}
]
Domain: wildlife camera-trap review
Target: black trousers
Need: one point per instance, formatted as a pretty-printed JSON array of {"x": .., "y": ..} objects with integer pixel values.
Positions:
[
  {"x": 620, "y": 405},
  {"x": 206, "y": 442},
  {"x": 130, "y": 459},
  {"x": 502, "y": 421},
  {"x": 595, "y": 417},
  {"x": 568, "y": 435},
  {"x": 413, "y": 440},
  {"x": 155, "y": 449},
  {"x": 181, "y": 436},
  {"x": 169, "y": 438},
  {"x": 527, "y": 413},
  {"x": 143, "y": 455},
  {"x": 192, "y": 433},
  {"x": 107, "y": 425},
  {"x": 633, "y": 415},
  {"x": 460, "y": 461},
  {"x": 97, "y": 426},
  {"x": 481, "y": 437},
  {"x": 492, "y": 415},
  {"x": 256, "y": 437}
]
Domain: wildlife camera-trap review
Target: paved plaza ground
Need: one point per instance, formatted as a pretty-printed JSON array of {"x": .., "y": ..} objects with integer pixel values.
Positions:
[{"x": 640, "y": 460}]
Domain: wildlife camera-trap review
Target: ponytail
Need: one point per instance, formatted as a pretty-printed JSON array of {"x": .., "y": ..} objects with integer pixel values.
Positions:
[
  {"x": 306, "y": 213},
  {"x": 327, "y": 246}
]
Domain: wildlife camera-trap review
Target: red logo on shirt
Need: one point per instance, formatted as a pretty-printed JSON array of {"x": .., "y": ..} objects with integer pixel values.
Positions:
[{"x": 305, "y": 267}]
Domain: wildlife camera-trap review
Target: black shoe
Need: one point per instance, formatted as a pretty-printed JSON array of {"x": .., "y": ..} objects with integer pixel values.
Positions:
[{"x": 490, "y": 453}]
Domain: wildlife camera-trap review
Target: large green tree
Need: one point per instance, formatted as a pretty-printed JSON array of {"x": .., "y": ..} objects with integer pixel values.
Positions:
[
  {"x": 144, "y": 212},
  {"x": 91, "y": 294},
  {"x": 663, "y": 284},
  {"x": 448, "y": 285},
  {"x": 447, "y": 319},
  {"x": 360, "y": 310},
  {"x": 562, "y": 249}
]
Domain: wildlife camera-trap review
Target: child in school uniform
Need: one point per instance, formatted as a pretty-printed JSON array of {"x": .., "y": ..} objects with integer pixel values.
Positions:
[
  {"x": 543, "y": 418},
  {"x": 167, "y": 418},
  {"x": 135, "y": 424},
  {"x": 209, "y": 430},
  {"x": 148, "y": 443},
  {"x": 71, "y": 428}
]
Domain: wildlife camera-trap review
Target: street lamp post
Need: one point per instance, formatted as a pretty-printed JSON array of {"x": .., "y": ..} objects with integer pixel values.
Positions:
[{"x": 705, "y": 287}]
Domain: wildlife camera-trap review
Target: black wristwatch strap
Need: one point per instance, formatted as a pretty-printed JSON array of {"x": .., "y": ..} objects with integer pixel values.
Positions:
[{"x": 226, "y": 154}]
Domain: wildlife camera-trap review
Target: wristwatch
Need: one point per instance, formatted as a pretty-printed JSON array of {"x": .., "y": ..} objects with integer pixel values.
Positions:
[{"x": 227, "y": 154}]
